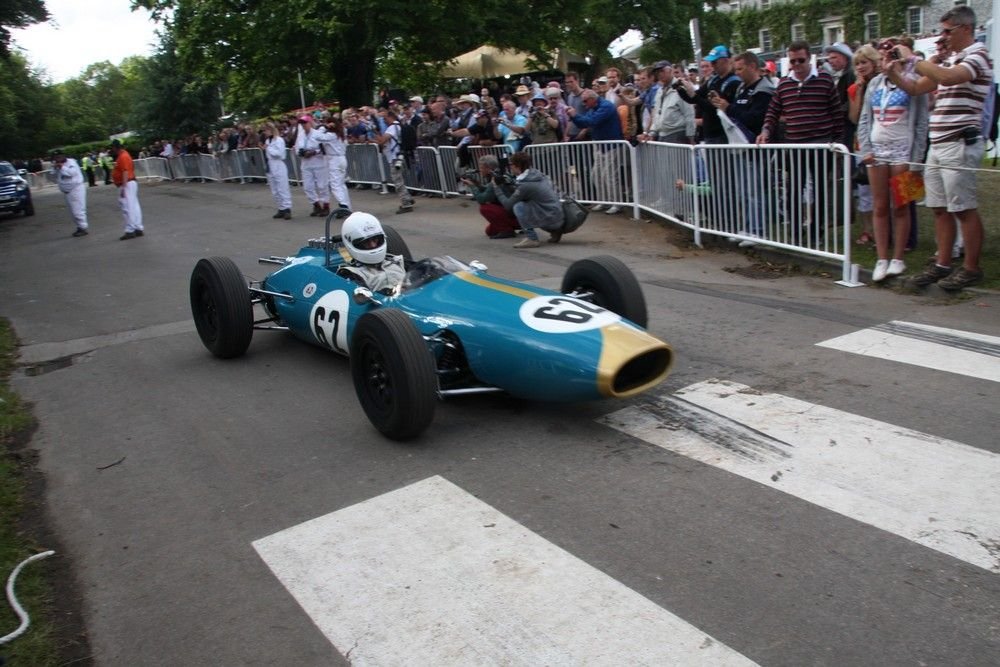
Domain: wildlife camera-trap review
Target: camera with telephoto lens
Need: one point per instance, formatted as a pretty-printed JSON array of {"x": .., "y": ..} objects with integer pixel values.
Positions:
[
  {"x": 896, "y": 55},
  {"x": 469, "y": 175},
  {"x": 305, "y": 152}
]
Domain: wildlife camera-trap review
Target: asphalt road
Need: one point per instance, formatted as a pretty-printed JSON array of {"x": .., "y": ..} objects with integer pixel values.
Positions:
[{"x": 182, "y": 550}]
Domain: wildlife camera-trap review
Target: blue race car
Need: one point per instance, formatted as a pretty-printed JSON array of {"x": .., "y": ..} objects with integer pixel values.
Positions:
[{"x": 447, "y": 328}]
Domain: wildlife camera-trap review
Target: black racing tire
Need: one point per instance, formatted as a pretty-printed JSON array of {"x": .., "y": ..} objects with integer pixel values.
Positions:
[
  {"x": 394, "y": 373},
  {"x": 396, "y": 244},
  {"x": 222, "y": 307},
  {"x": 610, "y": 284}
]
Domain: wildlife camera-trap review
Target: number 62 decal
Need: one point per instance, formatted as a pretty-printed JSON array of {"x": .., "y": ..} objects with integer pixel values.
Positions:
[{"x": 563, "y": 314}]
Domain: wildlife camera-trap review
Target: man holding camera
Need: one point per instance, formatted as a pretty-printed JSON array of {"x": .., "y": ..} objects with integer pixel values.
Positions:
[
  {"x": 312, "y": 159},
  {"x": 534, "y": 201},
  {"x": 671, "y": 119},
  {"x": 390, "y": 142},
  {"x": 956, "y": 142},
  {"x": 723, "y": 83},
  {"x": 501, "y": 223}
]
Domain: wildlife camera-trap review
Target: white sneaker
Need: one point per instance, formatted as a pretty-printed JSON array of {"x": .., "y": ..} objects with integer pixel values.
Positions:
[
  {"x": 748, "y": 243},
  {"x": 614, "y": 210},
  {"x": 957, "y": 251},
  {"x": 597, "y": 207},
  {"x": 879, "y": 273},
  {"x": 527, "y": 243},
  {"x": 896, "y": 267}
]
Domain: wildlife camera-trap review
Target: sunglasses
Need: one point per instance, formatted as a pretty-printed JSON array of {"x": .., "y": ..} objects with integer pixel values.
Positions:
[{"x": 798, "y": 61}]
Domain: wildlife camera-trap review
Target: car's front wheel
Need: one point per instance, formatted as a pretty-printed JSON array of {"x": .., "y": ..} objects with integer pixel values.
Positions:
[
  {"x": 29, "y": 209},
  {"x": 221, "y": 306},
  {"x": 607, "y": 282},
  {"x": 394, "y": 373}
]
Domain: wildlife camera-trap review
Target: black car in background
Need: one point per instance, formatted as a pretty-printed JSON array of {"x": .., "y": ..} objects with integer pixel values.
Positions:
[{"x": 15, "y": 195}]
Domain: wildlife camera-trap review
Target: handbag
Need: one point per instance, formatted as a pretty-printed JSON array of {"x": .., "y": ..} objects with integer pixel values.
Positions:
[
  {"x": 574, "y": 215},
  {"x": 860, "y": 176}
]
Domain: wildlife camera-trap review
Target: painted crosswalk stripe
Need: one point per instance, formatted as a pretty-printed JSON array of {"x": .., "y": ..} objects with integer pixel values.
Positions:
[
  {"x": 430, "y": 575},
  {"x": 963, "y": 352},
  {"x": 939, "y": 493}
]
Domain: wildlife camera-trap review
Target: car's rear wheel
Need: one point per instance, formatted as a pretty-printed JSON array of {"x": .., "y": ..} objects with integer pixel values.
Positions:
[
  {"x": 221, "y": 306},
  {"x": 396, "y": 244},
  {"x": 607, "y": 282},
  {"x": 394, "y": 373}
]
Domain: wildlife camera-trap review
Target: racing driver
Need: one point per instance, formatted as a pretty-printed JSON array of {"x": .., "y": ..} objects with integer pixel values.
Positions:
[{"x": 365, "y": 241}]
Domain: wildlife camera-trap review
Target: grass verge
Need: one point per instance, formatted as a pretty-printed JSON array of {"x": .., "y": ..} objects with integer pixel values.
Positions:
[
  {"x": 987, "y": 184},
  {"x": 38, "y": 645}
]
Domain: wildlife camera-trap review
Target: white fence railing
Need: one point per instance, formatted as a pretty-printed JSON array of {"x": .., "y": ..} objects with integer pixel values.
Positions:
[{"x": 791, "y": 196}]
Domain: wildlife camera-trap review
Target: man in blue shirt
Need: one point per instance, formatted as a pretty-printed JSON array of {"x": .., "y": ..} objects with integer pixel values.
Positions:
[{"x": 601, "y": 119}]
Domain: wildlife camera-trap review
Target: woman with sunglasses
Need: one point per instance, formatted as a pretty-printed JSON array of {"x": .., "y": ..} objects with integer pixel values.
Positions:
[{"x": 892, "y": 137}]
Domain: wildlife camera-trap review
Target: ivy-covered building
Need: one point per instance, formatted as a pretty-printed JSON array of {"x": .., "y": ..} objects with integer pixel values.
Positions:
[{"x": 770, "y": 25}]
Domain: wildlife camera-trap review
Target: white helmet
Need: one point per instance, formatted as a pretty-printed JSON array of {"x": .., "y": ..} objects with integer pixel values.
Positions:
[{"x": 364, "y": 238}]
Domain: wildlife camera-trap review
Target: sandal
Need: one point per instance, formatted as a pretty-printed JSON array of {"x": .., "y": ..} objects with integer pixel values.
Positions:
[{"x": 864, "y": 239}]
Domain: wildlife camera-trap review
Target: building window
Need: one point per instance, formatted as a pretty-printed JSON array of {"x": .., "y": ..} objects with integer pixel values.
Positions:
[
  {"x": 871, "y": 26},
  {"x": 834, "y": 33},
  {"x": 914, "y": 20},
  {"x": 765, "y": 4},
  {"x": 798, "y": 32},
  {"x": 765, "y": 41}
]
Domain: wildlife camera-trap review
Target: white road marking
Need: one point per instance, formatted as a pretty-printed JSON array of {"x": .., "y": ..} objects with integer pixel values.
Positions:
[
  {"x": 942, "y": 349},
  {"x": 430, "y": 575},
  {"x": 939, "y": 493}
]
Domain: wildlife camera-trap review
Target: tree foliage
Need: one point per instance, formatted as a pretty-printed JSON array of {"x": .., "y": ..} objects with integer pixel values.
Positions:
[
  {"x": 25, "y": 104},
  {"x": 344, "y": 50},
  {"x": 18, "y": 14}
]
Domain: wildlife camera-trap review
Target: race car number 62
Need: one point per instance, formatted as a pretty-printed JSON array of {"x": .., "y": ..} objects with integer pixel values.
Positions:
[{"x": 563, "y": 314}]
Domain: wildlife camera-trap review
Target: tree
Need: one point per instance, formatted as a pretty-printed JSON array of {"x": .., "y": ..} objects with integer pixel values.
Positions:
[
  {"x": 25, "y": 104},
  {"x": 166, "y": 102},
  {"x": 18, "y": 14}
]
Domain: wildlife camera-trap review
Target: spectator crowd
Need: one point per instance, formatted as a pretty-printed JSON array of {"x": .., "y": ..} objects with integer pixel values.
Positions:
[{"x": 896, "y": 110}]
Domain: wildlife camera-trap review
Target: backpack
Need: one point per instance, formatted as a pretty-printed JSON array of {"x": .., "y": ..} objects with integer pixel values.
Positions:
[
  {"x": 991, "y": 114},
  {"x": 407, "y": 139}
]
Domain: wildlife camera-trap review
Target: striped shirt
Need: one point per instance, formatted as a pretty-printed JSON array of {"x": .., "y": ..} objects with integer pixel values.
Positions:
[
  {"x": 961, "y": 105},
  {"x": 812, "y": 110}
]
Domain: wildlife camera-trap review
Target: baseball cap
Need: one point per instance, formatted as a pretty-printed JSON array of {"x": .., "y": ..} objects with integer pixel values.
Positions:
[
  {"x": 719, "y": 51},
  {"x": 661, "y": 64},
  {"x": 602, "y": 79},
  {"x": 417, "y": 98},
  {"x": 305, "y": 118}
]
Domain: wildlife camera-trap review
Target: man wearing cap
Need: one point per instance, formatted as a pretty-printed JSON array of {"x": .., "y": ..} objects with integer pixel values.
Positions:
[
  {"x": 544, "y": 124},
  {"x": 602, "y": 122},
  {"x": 70, "y": 180},
  {"x": 839, "y": 65},
  {"x": 672, "y": 119},
  {"x": 723, "y": 83},
  {"x": 123, "y": 175},
  {"x": 417, "y": 107},
  {"x": 523, "y": 96},
  {"x": 315, "y": 173}
]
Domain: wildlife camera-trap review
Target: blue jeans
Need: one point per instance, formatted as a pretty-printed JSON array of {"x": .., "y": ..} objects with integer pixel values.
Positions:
[{"x": 522, "y": 219}]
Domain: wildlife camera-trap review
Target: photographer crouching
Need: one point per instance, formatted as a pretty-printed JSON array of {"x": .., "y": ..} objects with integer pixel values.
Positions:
[
  {"x": 501, "y": 223},
  {"x": 534, "y": 201}
]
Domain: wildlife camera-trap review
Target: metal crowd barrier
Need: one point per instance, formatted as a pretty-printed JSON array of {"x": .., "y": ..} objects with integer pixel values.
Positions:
[
  {"x": 600, "y": 172},
  {"x": 791, "y": 196},
  {"x": 365, "y": 164}
]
